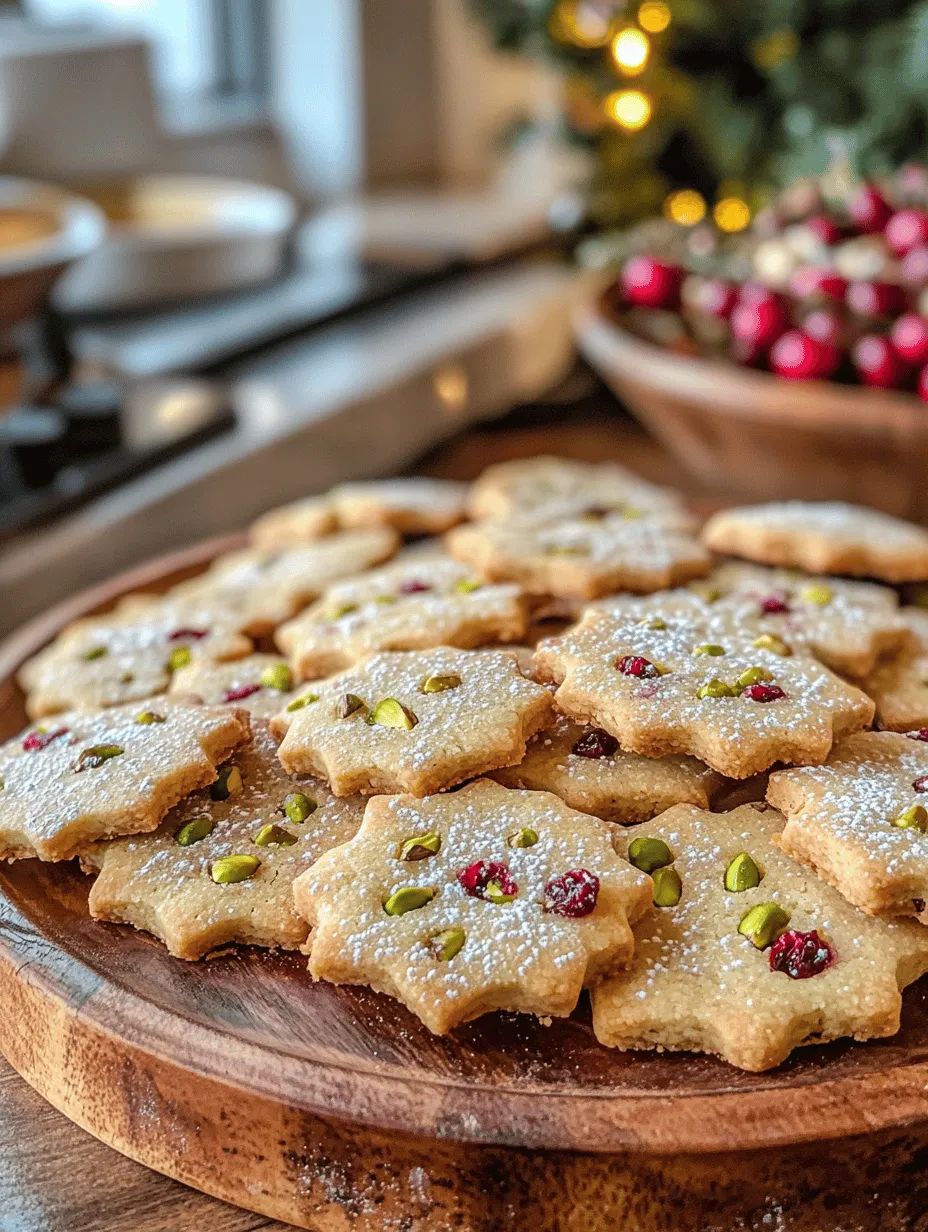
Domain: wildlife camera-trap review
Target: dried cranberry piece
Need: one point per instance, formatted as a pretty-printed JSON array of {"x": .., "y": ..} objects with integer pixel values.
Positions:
[
  {"x": 801, "y": 955},
  {"x": 192, "y": 635},
  {"x": 764, "y": 692},
  {"x": 413, "y": 587},
  {"x": 477, "y": 876},
  {"x": 573, "y": 894},
  {"x": 921, "y": 784},
  {"x": 243, "y": 691},
  {"x": 41, "y": 740},
  {"x": 635, "y": 665},
  {"x": 921, "y": 734},
  {"x": 595, "y": 743},
  {"x": 774, "y": 603}
]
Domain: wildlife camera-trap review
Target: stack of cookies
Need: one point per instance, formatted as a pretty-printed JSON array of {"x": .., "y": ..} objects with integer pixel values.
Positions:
[{"x": 380, "y": 754}]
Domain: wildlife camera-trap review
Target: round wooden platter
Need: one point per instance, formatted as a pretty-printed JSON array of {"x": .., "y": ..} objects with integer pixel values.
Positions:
[{"x": 335, "y": 1110}]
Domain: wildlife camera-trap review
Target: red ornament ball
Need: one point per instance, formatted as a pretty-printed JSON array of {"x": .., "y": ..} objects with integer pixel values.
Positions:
[
  {"x": 914, "y": 266},
  {"x": 650, "y": 283},
  {"x": 874, "y": 299},
  {"x": 715, "y": 298},
  {"x": 876, "y": 362},
  {"x": 824, "y": 229},
  {"x": 797, "y": 357},
  {"x": 825, "y": 326},
  {"x": 906, "y": 229},
  {"x": 909, "y": 336},
  {"x": 758, "y": 319},
  {"x": 812, "y": 282},
  {"x": 869, "y": 209}
]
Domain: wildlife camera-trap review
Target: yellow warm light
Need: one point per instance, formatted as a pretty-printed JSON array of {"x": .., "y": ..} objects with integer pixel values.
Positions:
[
  {"x": 630, "y": 50},
  {"x": 629, "y": 108},
  {"x": 582, "y": 24},
  {"x": 686, "y": 207},
  {"x": 731, "y": 214},
  {"x": 654, "y": 16}
]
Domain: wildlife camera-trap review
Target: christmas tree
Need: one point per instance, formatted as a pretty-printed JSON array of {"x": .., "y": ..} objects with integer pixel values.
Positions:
[{"x": 697, "y": 104}]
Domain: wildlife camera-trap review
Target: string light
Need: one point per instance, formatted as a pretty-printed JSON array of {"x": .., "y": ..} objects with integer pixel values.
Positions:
[
  {"x": 630, "y": 109},
  {"x": 583, "y": 24},
  {"x": 630, "y": 50},
  {"x": 731, "y": 214},
  {"x": 686, "y": 207},
  {"x": 654, "y": 16}
]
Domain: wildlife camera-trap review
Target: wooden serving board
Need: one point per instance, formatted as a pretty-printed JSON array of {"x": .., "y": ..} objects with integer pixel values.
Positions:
[{"x": 335, "y": 1110}]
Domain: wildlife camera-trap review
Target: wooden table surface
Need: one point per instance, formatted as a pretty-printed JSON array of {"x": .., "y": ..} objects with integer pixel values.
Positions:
[{"x": 55, "y": 1177}]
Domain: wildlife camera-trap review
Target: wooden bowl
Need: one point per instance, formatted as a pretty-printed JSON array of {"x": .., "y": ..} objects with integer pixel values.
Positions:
[
  {"x": 334, "y": 1109},
  {"x": 755, "y": 436}
]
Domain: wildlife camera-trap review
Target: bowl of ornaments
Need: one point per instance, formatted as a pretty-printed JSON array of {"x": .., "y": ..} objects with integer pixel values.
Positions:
[{"x": 790, "y": 360}]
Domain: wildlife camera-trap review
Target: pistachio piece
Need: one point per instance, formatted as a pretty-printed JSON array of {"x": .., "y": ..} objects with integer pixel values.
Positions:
[
  {"x": 914, "y": 818},
  {"x": 146, "y": 717},
  {"x": 466, "y": 586},
  {"x": 716, "y": 688},
  {"x": 95, "y": 756},
  {"x": 278, "y": 677},
  {"x": 229, "y": 869},
  {"x": 409, "y": 898},
  {"x": 298, "y": 807},
  {"x": 741, "y": 874},
  {"x": 649, "y": 854},
  {"x": 385, "y": 599},
  {"x": 526, "y": 837},
  {"x": 763, "y": 923},
  {"x": 566, "y": 549},
  {"x": 710, "y": 648},
  {"x": 340, "y": 610},
  {"x": 228, "y": 783},
  {"x": 419, "y": 847},
  {"x": 390, "y": 713},
  {"x": 631, "y": 513},
  {"x": 194, "y": 831},
  {"x": 653, "y": 622},
  {"x": 440, "y": 684},
  {"x": 667, "y": 887},
  {"x": 770, "y": 641},
  {"x": 179, "y": 657},
  {"x": 299, "y": 702},
  {"x": 98, "y": 652},
  {"x": 350, "y": 704},
  {"x": 447, "y": 943},
  {"x": 272, "y": 835},
  {"x": 710, "y": 594},
  {"x": 2, "y": 784},
  {"x": 495, "y": 893},
  {"x": 753, "y": 675},
  {"x": 820, "y": 595}
]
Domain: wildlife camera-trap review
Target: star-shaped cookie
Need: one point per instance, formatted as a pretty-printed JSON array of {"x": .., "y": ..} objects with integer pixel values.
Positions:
[
  {"x": 221, "y": 871},
  {"x": 861, "y": 820},
  {"x": 416, "y": 721},
  {"x": 585, "y": 767},
  {"x": 92, "y": 774},
  {"x": 479, "y": 900},
  {"x": 413, "y": 604},
  {"x": 260, "y": 684},
  {"x": 899, "y": 683},
  {"x": 679, "y": 683},
  {"x": 415, "y": 506},
  {"x": 822, "y": 537},
  {"x": 314, "y": 517},
  {"x": 749, "y": 955}
]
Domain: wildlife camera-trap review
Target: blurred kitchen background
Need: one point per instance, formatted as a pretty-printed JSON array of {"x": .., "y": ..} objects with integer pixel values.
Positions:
[{"x": 249, "y": 248}]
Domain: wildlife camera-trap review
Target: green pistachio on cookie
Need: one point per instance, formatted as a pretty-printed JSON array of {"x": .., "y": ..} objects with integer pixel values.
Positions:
[
  {"x": 770, "y": 641},
  {"x": 710, "y": 648},
  {"x": 95, "y": 756},
  {"x": 229, "y": 869},
  {"x": 495, "y": 893},
  {"x": 753, "y": 675},
  {"x": 390, "y": 713},
  {"x": 279, "y": 677},
  {"x": 179, "y": 657},
  {"x": 194, "y": 831},
  {"x": 146, "y": 717},
  {"x": 299, "y": 702},
  {"x": 526, "y": 837},
  {"x": 350, "y": 704},
  {"x": 648, "y": 854},
  {"x": 440, "y": 683},
  {"x": 409, "y": 898},
  {"x": 420, "y": 847},
  {"x": 274, "y": 836},
  {"x": 340, "y": 610},
  {"x": 716, "y": 688},
  {"x": 820, "y": 595},
  {"x": 228, "y": 783},
  {"x": 98, "y": 652},
  {"x": 446, "y": 944},
  {"x": 466, "y": 586},
  {"x": 763, "y": 923},
  {"x": 914, "y": 818},
  {"x": 657, "y": 623},
  {"x": 667, "y": 887},
  {"x": 741, "y": 874},
  {"x": 298, "y": 807}
]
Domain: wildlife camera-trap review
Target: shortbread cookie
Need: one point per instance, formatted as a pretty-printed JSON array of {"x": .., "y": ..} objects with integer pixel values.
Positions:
[
  {"x": 481, "y": 900},
  {"x": 748, "y": 955},
  {"x": 547, "y": 488},
  {"x": 92, "y": 774},
  {"x": 290, "y": 525},
  {"x": 220, "y": 868},
  {"x": 410, "y": 605},
  {"x": 823, "y": 537},
  {"x": 264, "y": 589},
  {"x": 861, "y": 820},
  {"x": 128, "y": 654},
  {"x": 585, "y": 767},
  {"x": 581, "y": 557},
  {"x": 677, "y": 683},
  {"x": 413, "y": 506},
  {"x": 847, "y": 625},
  {"x": 899, "y": 684},
  {"x": 418, "y": 721},
  {"x": 260, "y": 684}
]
